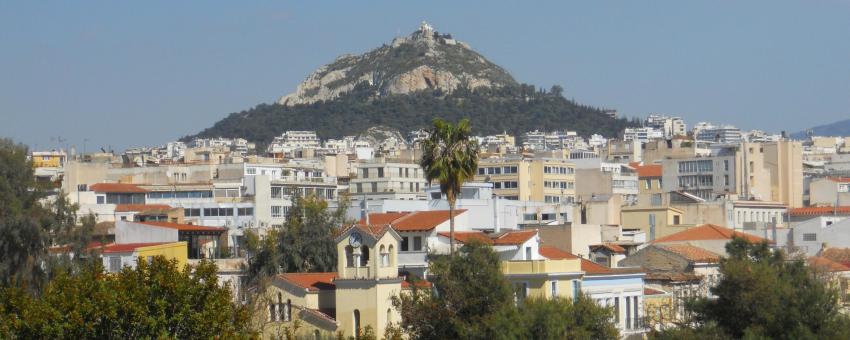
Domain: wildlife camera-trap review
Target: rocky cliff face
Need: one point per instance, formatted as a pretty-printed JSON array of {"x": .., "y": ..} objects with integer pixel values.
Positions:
[{"x": 425, "y": 60}]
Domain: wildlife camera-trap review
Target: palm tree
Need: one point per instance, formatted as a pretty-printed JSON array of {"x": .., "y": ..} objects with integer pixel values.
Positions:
[{"x": 450, "y": 157}]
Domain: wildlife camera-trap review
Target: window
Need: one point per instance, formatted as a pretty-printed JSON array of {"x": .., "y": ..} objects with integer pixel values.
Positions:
[
  {"x": 272, "y": 312},
  {"x": 528, "y": 253},
  {"x": 676, "y": 220},
  {"x": 529, "y": 217},
  {"x": 101, "y": 199},
  {"x": 810, "y": 237},
  {"x": 647, "y": 184},
  {"x": 404, "y": 243},
  {"x": 554, "y": 285},
  {"x": 359, "y": 188},
  {"x": 364, "y": 173},
  {"x": 375, "y": 187},
  {"x": 385, "y": 257},
  {"x": 349, "y": 256},
  {"x": 251, "y": 171},
  {"x": 277, "y": 192},
  {"x": 380, "y": 172},
  {"x": 246, "y": 211},
  {"x": 481, "y": 171},
  {"x": 656, "y": 200},
  {"x": 726, "y": 165},
  {"x": 277, "y": 211},
  {"x": 520, "y": 292},
  {"x": 417, "y": 243},
  {"x": 114, "y": 263}
]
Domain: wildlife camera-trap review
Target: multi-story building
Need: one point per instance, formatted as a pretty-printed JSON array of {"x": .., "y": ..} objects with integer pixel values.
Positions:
[
  {"x": 48, "y": 159},
  {"x": 284, "y": 144},
  {"x": 725, "y": 134},
  {"x": 829, "y": 191},
  {"x": 534, "y": 141},
  {"x": 619, "y": 151},
  {"x": 547, "y": 180},
  {"x": 382, "y": 179},
  {"x": 594, "y": 177},
  {"x": 705, "y": 177},
  {"x": 670, "y": 126},
  {"x": 642, "y": 134}
]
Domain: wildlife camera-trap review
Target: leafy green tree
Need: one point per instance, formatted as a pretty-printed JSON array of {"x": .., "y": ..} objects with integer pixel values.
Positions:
[
  {"x": 471, "y": 295},
  {"x": 304, "y": 244},
  {"x": 562, "y": 318},
  {"x": 155, "y": 300},
  {"x": 450, "y": 157},
  {"x": 30, "y": 222},
  {"x": 764, "y": 295}
]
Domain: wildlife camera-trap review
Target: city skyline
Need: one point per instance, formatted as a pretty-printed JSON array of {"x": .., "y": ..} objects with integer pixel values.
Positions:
[{"x": 114, "y": 75}]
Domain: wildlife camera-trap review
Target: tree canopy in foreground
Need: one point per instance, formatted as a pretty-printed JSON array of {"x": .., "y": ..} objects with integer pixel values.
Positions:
[{"x": 764, "y": 295}]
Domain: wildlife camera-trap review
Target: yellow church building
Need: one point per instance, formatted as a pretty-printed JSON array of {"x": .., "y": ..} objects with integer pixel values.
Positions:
[{"x": 357, "y": 295}]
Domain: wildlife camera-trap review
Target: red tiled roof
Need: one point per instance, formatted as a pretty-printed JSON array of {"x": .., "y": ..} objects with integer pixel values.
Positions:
[
  {"x": 466, "y": 236},
  {"x": 591, "y": 267},
  {"x": 419, "y": 284},
  {"x": 840, "y": 255},
  {"x": 692, "y": 253},
  {"x": 826, "y": 265},
  {"x": 840, "y": 179},
  {"x": 412, "y": 221},
  {"x": 383, "y": 218},
  {"x": 141, "y": 207},
  {"x": 514, "y": 237},
  {"x": 816, "y": 211},
  {"x": 128, "y": 247},
  {"x": 650, "y": 291},
  {"x": 649, "y": 170},
  {"x": 116, "y": 188},
  {"x": 553, "y": 253},
  {"x": 313, "y": 282},
  {"x": 708, "y": 232},
  {"x": 423, "y": 220},
  {"x": 614, "y": 248},
  {"x": 183, "y": 227}
]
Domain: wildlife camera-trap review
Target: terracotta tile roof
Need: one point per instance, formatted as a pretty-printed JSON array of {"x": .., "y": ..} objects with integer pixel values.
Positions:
[
  {"x": 377, "y": 231},
  {"x": 840, "y": 255},
  {"x": 422, "y": 220},
  {"x": 840, "y": 179},
  {"x": 116, "y": 188},
  {"x": 313, "y": 282},
  {"x": 419, "y": 284},
  {"x": 691, "y": 253},
  {"x": 128, "y": 247},
  {"x": 319, "y": 314},
  {"x": 383, "y": 218},
  {"x": 466, "y": 236},
  {"x": 514, "y": 237},
  {"x": 614, "y": 248},
  {"x": 183, "y": 227},
  {"x": 141, "y": 207},
  {"x": 649, "y": 170},
  {"x": 553, "y": 253},
  {"x": 591, "y": 267},
  {"x": 650, "y": 291},
  {"x": 709, "y": 232},
  {"x": 817, "y": 211},
  {"x": 826, "y": 265}
]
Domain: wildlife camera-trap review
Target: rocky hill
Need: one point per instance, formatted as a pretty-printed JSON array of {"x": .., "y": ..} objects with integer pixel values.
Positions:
[
  {"x": 425, "y": 60},
  {"x": 404, "y": 86}
]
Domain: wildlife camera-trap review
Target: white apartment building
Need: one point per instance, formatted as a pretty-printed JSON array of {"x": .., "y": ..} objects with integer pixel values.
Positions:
[
  {"x": 670, "y": 126},
  {"x": 642, "y": 134}
]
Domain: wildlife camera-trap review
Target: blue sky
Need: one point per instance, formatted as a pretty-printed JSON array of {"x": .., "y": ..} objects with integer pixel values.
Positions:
[{"x": 121, "y": 74}]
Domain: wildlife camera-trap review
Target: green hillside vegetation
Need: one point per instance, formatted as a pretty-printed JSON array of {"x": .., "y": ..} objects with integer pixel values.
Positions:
[{"x": 515, "y": 109}]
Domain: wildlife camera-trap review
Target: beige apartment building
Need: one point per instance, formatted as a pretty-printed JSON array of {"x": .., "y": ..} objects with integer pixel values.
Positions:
[
  {"x": 379, "y": 179},
  {"x": 547, "y": 180}
]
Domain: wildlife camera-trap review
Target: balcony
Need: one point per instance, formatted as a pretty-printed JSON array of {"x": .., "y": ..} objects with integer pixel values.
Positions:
[
  {"x": 413, "y": 258},
  {"x": 521, "y": 267}
]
